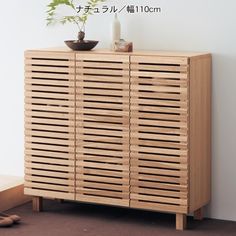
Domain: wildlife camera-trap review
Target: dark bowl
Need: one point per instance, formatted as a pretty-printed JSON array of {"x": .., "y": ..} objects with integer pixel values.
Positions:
[{"x": 85, "y": 45}]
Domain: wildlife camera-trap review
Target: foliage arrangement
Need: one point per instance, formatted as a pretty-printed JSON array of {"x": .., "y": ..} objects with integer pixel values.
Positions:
[{"x": 78, "y": 18}]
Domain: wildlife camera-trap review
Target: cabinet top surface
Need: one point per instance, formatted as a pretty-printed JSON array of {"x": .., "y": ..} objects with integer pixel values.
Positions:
[{"x": 134, "y": 53}]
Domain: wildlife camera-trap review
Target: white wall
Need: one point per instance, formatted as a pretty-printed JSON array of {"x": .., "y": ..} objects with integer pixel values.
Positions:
[{"x": 203, "y": 25}]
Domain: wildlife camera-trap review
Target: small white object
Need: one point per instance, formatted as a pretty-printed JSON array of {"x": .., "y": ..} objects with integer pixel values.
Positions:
[{"x": 116, "y": 28}]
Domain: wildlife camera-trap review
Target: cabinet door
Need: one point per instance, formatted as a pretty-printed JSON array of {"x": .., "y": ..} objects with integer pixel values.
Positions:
[
  {"x": 159, "y": 133},
  {"x": 49, "y": 124},
  {"x": 102, "y": 113}
]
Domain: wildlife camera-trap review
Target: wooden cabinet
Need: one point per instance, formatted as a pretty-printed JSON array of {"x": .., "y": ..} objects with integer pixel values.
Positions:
[{"x": 127, "y": 129}]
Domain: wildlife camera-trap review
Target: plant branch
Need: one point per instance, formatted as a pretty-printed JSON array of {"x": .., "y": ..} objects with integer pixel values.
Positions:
[{"x": 76, "y": 18}]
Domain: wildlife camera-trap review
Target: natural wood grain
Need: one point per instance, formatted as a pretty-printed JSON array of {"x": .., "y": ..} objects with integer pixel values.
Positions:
[
  {"x": 49, "y": 194},
  {"x": 124, "y": 129},
  {"x": 104, "y": 52},
  {"x": 49, "y": 125},
  {"x": 102, "y": 105},
  {"x": 166, "y": 68},
  {"x": 200, "y": 132},
  {"x": 150, "y": 136},
  {"x": 160, "y": 60},
  {"x": 103, "y": 200},
  {"x": 37, "y": 203},
  {"x": 41, "y": 54},
  {"x": 181, "y": 221},
  {"x": 158, "y": 207},
  {"x": 93, "y": 57}
]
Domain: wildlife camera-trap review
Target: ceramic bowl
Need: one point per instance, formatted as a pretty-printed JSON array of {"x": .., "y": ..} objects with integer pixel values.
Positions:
[{"x": 84, "y": 45}]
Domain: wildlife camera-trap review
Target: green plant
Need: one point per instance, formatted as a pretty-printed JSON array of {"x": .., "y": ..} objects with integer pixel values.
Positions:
[{"x": 77, "y": 18}]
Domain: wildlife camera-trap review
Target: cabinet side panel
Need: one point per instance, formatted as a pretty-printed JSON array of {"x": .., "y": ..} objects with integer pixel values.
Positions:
[{"x": 200, "y": 132}]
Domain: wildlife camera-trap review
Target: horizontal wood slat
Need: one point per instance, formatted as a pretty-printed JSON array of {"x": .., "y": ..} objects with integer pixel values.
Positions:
[
  {"x": 48, "y": 95},
  {"x": 156, "y": 67},
  {"x": 52, "y": 82},
  {"x": 43, "y": 62},
  {"x": 149, "y": 205},
  {"x": 49, "y": 154},
  {"x": 96, "y": 58},
  {"x": 160, "y": 60},
  {"x": 103, "y": 200},
  {"x": 106, "y": 72},
  {"x": 49, "y": 173},
  {"x": 103, "y": 65},
  {"x": 159, "y": 133},
  {"x": 158, "y": 74},
  {"x": 51, "y": 193},
  {"x": 56, "y": 161},
  {"x": 43, "y": 75},
  {"x": 49, "y": 68},
  {"x": 49, "y": 56},
  {"x": 51, "y": 186},
  {"x": 158, "y": 182}
]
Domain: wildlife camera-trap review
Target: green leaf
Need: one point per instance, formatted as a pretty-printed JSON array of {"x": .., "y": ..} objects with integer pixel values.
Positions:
[{"x": 75, "y": 19}]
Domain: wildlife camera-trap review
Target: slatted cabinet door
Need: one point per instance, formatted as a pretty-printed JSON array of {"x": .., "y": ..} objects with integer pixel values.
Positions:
[
  {"x": 49, "y": 124},
  {"x": 102, "y": 109},
  {"x": 159, "y": 133}
]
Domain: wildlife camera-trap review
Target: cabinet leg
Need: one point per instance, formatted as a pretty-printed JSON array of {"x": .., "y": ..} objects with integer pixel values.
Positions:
[
  {"x": 181, "y": 221},
  {"x": 37, "y": 204},
  {"x": 198, "y": 214}
]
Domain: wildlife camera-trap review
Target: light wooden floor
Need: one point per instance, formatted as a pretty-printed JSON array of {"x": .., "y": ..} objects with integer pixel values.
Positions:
[{"x": 11, "y": 192}]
